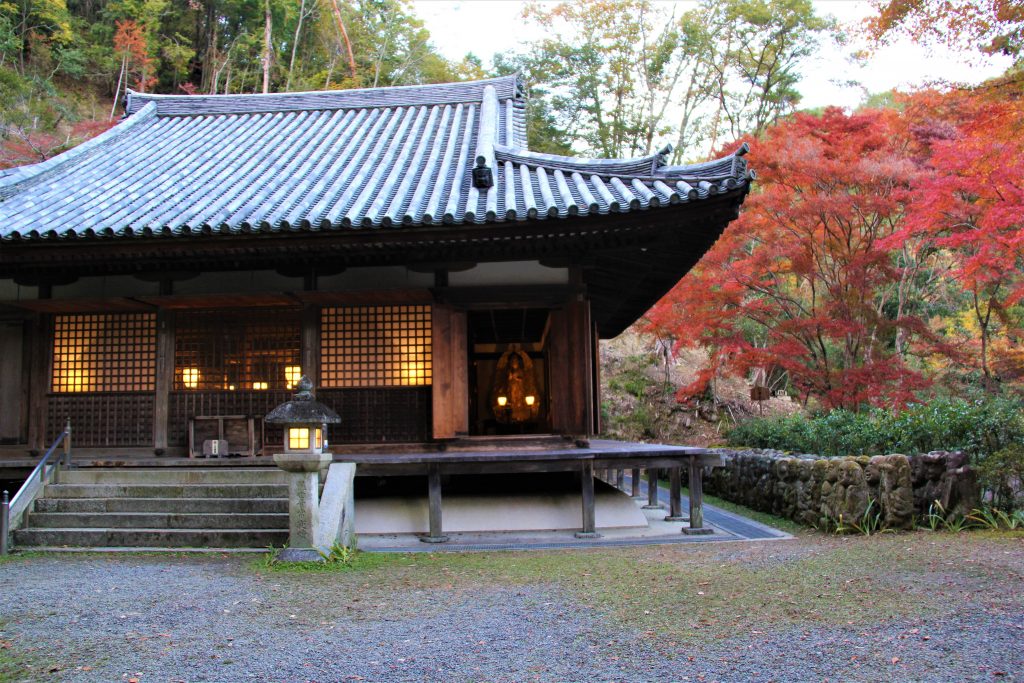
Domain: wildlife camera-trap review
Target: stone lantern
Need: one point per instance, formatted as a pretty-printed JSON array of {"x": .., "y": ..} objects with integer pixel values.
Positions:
[{"x": 305, "y": 423}]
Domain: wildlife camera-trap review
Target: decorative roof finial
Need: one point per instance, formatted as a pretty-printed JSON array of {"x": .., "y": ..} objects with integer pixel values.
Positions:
[{"x": 304, "y": 389}]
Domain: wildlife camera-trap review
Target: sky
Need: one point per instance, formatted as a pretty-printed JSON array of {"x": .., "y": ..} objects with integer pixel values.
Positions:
[{"x": 484, "y": 27}]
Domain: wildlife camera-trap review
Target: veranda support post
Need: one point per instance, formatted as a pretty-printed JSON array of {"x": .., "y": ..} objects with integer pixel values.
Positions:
[
  {"x": 696, "y": 499},
  {"x": 652, "y": 489},
  {"x": 675, "y": 498},
  {"x": 589, "y": 517}
]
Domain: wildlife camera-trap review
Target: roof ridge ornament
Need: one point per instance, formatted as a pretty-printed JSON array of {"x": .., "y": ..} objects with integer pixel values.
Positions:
[{"x": 487, "y": 137}]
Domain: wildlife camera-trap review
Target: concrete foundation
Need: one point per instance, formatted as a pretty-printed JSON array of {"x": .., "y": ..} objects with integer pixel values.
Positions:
[{"x": 511, "y": 511}]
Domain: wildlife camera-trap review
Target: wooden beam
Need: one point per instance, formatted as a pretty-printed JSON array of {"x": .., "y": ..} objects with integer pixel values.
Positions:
[
  {"x": 490, "y": 297},
  {"x": 41, "y": 343},
  {"x": 460, "y": 372},
  {"x": 83, "y": 305},
  {"x": 309, "y": 359},
  {"x": 589, "y": 529},
  {"x": 436, "y": 534},
  {"x": 652, "y": 489},
  {"x": 595, "y": 364},
  {"x": 675, "y": 498},
  {"x": 442, "y": 372},
  {"x": 696, "y": 500},
  {"x": 180, "y": 301},
  {"x": 370, "y": 297},
  {"x": 164, "y": 379}
]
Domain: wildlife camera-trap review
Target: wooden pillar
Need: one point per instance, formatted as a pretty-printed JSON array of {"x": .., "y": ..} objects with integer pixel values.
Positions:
[
  {"x": 164, "y": 380},
  {"x": 12, "y": 385},
  {"x": 634, "y": 477},
  {"x": 696, "y": 499},
  {"x": 595, "y": 380},
  {"x": 41, "y": 349},
  {"x": 652, "y": 489},
  {"x": 675, "y": 496},
  {"x": 450, "y": 363},
  {"x": 309, "y": 358},
  {"x": 571, "y": 363},
  {"x": 587, "y": 489},
  {"x": 436, "y": 534}
]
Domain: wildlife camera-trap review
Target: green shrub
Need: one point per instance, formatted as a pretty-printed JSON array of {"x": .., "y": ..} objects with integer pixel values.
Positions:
[
  {"x": 1002, "y": 475},
  {"x": 980, "y": 428}
]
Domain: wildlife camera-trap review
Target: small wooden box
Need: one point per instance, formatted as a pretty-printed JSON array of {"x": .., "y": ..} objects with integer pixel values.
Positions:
[
  {"x": 215, "y": 448},
  {"x": 236, "y": 435}
]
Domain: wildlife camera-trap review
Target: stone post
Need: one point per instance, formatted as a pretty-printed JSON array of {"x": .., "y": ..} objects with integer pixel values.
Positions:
[{"x": 303, "y": 503}]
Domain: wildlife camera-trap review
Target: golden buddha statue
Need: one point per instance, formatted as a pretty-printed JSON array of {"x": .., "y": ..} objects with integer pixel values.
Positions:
[{"x": 514, "y": 397}]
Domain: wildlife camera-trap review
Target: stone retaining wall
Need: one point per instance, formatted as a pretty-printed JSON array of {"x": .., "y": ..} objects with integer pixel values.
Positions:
[{"x": 809, "y": 488}]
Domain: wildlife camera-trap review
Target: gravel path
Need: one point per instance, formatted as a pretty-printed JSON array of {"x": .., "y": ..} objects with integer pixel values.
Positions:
[{"x": 167, "y": 618}]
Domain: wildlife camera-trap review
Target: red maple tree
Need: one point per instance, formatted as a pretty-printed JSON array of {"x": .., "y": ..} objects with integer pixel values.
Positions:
[
  {"x": 803, "y": 282},
  {"x": 970, "y": 203}
]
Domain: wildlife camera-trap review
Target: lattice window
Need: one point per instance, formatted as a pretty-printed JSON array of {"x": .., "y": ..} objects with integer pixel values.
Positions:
[
  {"x": 251, "y": 350},
  {"x": 375, "y": 346},
  {"x": 106, "y": 352}
]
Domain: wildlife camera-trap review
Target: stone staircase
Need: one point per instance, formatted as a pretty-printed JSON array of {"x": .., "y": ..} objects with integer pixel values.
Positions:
[{"x": 184, "y": 508}]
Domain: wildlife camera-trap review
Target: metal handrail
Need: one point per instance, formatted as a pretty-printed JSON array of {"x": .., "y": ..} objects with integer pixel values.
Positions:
[{"x": 20, "y": 502}]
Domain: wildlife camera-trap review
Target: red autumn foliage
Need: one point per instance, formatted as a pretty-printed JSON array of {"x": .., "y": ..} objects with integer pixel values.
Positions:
[
  {"x": 856, "y": 222},
  {"x": 130, "y": 45},
  {"x": 22, "y": 146},
  {"x": 802, "y": 282},
  {"x": 970, "y": 203}
]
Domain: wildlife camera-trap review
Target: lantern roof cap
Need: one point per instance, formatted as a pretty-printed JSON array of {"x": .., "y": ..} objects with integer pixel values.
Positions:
[{"x": 303, "y": 408}]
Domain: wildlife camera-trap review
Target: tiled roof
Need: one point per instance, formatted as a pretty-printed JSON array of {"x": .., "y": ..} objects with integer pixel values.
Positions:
[{"x": 335, "y": 160}]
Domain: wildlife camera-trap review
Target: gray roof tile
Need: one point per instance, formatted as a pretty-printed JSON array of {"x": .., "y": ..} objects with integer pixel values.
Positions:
[{"x": 337, "y": 160}]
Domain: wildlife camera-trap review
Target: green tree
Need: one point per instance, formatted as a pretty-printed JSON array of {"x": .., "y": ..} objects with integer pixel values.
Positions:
[{"x": 623, "y": 73}]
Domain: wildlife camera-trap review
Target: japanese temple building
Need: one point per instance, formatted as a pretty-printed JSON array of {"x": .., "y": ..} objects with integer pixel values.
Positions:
[{"x": 166, "y": 283}]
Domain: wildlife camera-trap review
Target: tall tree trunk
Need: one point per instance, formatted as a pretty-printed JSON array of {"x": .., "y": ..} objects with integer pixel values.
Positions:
[
  {"x": 120, "y": 78},
  {"x": 266, "y": 47},
  {"x": 210, "y": 49},
  {"x": 295, "y": 45},
  {"x": 344, "y": 35}
]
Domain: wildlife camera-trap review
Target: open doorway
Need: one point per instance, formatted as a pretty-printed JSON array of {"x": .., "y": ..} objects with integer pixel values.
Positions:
[{"x": 508, "y": 371}]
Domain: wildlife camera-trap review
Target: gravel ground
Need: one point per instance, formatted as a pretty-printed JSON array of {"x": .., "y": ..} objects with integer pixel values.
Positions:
[{"x": 170, "y": 618}]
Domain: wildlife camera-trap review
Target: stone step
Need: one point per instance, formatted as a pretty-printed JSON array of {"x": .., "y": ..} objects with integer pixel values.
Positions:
[
  {"x": 166, "y": 491},
  {"x": 165, "y": 505},
  {"x": 150, "y": 538},
  {"x": 154, "y": 520},
  {"x": 190, "y": 475}
]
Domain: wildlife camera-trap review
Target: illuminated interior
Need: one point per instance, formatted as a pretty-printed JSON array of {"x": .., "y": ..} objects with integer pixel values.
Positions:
[
  {"x": 239, "y": 350},
  {"x": 108, "y": 352},
  {"x": 190, "y": 377},
  {"x": 299, "y": 438},
  {"x": 508, "y": 395},
  {"x": 375, "y": 346},
  {"x": 292, "y": 373}
]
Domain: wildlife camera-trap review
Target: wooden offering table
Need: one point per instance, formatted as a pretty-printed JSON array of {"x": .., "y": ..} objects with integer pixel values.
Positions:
[{"x": 234, "y": 429}]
